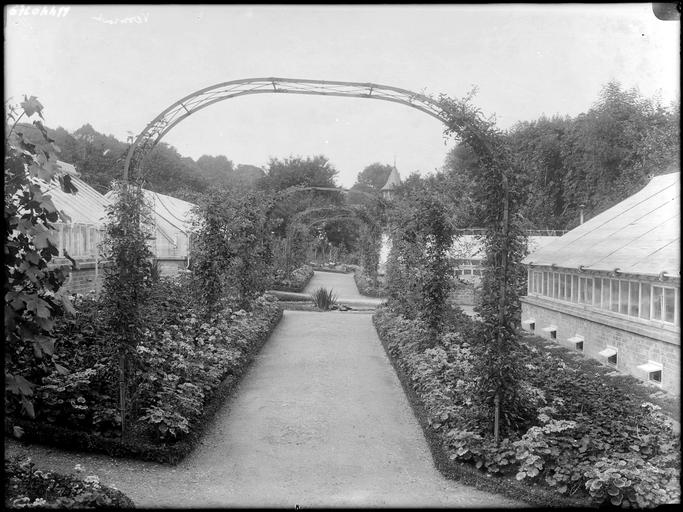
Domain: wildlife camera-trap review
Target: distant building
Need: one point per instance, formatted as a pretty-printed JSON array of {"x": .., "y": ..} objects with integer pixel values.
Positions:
[
  {"x": 384, "y": 248},
  {"x": 172, "y": 225},
  {"x": 393, "y": 181},
  {"x": 610, "y": 288},
  {"x": 467, "y": 256},
  {"x": 85, "y": 212},
  {"x": 78, "y": 238},
  {"x": 172, "y": 218}
]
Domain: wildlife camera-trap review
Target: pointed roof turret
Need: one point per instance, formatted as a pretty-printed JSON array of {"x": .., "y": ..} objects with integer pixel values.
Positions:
[{"x": 393, "y": 181}]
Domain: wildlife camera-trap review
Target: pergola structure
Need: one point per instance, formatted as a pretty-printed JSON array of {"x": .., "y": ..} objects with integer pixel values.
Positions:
[{"x": 463, "y": 123}]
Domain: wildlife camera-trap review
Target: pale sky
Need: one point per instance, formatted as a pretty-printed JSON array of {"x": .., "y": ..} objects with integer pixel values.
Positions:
[{"x": 87, "y": 66}]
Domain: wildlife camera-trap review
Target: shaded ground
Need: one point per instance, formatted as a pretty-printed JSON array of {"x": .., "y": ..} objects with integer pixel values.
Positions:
[{"x": 320, "y": 419}]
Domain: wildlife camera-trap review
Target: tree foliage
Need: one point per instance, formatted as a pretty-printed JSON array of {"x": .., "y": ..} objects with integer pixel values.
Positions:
[
  {"x": 32, "y": 287},
  {"x": 232, "y": 248},
  {"x": 291, "y": 179},
  {"x": 250, "y": 246},
  {"x": 499, "y": 191},
  {"x": 418, "y": 273},
  {"x": 99, "y": 159},
  {"x": 164, "y": 170},
  {"x": 595, "y": 159},
  {"x": 293, "y": 171},
  {"x": 374, "y": 175},
  {"x": 128, "y": 282}
]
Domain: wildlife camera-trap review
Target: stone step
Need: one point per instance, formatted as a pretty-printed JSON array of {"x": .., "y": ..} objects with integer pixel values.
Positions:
[{"x": 355, "y": 303}]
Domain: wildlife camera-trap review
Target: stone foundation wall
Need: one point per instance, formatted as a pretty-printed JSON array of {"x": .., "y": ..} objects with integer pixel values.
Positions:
[
  {"x": 171, "y": 266},
  {"x": 89, "y": 276},
  {"x": 86, "y": 277},
  {"x": 636, "y": 344}
]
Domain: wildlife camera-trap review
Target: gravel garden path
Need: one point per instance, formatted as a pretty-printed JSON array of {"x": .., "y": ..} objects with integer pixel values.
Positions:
[{"x": 320, "y": 419}]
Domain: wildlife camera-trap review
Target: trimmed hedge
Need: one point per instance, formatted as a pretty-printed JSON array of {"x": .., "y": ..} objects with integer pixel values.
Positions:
[
  {"x": 27, "y": 487},
  {"x": 333, "y": 270},
  {"x": 365, "y": 286},
  {"x": 290, "y": 296},
  {"x": 70, "y": 439},
  {"x": 297, "y": 281}
]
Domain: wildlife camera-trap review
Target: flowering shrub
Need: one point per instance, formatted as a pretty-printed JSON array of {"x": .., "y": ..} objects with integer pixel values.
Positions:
[
  {"x": 589, "y": 439},
  {"x": 28, "y": 487}
]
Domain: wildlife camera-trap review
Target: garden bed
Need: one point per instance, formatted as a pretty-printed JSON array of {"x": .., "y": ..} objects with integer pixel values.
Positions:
[
  {"x": 28, "y": 487},
  {"x": 296, "y": 282},
  {"x": 186, "y": 369},
  {"x": 593, "y": 442},
  {"x": 334, "y": 270},
  {"x": 365, "y": 287}
]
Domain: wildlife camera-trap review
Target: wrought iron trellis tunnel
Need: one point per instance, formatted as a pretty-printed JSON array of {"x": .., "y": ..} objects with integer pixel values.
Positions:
[{"x": 198, "y": 100}]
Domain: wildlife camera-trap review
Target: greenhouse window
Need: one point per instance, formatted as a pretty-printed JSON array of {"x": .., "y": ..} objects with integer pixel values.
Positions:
[
  {"x": 653, "y": 370},
  {"x": 552, "y": 330},
  {"x": 530, "y": 323},
  {"x": 577, "y": 341},
  {"x": 611, "y": 354}
]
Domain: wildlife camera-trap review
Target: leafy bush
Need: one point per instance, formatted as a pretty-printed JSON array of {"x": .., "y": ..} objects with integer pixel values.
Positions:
[
  {"x": 178, "y": 365},
  {"x": 418, "y": 268},
  {"x": 324, "y": 299},
  {"x": 232, "y": 248},
  {"x": 31, "y": 286},
  {"x": 28, "y": 487},
  {"x": 589, "y": 439}
]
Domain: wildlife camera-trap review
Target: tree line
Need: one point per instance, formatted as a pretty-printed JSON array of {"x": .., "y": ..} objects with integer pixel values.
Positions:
[
  {"x": 587, "y": 162},
  {"x": 99, "y": 158},
  {"x": 595, "y": 159}
]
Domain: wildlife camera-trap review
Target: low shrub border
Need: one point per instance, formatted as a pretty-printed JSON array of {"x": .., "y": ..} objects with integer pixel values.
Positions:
[
  {"x": 364, "y": 287},
  {"x": 290, "y": 296},
  {"x": 332, "y": 270},
  {"x": 466, "y": 473},
  {"x": 27, "y": 487},
  {"x": 298, "y": 280},
  {"x": 74, "y": 440}
]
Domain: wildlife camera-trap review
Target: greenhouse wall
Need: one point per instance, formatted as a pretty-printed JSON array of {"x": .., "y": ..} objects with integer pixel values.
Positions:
[{"x": 595, "y": 332}]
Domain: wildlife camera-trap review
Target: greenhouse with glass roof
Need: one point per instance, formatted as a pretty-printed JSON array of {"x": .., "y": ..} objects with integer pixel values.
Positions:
[{"x": 610, "y": 288}]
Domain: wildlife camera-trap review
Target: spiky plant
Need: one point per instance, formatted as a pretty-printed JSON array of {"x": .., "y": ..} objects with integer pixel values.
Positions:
[{"x": 323, "y": 298}]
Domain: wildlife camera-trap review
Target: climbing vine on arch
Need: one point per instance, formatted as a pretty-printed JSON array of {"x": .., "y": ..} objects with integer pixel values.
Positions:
[
  {"x": 498, "y": 190},
  {"x": 496, "y": 185},
  {"x": 418, "y": 271}
]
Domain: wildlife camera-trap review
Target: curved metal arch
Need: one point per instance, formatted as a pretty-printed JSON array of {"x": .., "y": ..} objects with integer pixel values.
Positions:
[
  {"x": 349, "y": 218},
  {"x": 202, "y": 98},
  {"x": 340, "y": 212}
]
